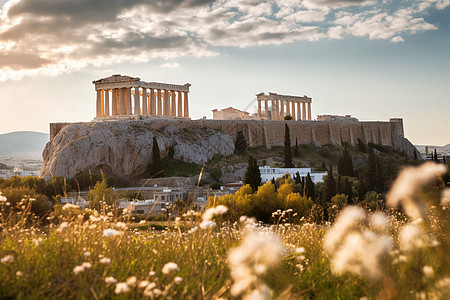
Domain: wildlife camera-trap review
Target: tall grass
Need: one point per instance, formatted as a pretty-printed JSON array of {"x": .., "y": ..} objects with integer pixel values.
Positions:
[{"x": 87, "y": 254}]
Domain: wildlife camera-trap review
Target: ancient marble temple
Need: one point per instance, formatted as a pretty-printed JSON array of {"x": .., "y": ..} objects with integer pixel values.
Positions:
[
  {"x": 120, "y": 95},
  {"x": 298, "y": 107}
]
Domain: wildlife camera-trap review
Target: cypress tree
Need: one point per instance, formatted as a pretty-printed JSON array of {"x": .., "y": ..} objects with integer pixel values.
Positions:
[
  {"x": 156, "y": 169},
  {"x": 252, "y": 175},
  {"x": 435, "y": 156},
  {"x": 330, "y": 186},
  {"x": 297, "y": 178},
  {"x": 345, "y": 164},
  {"x": 361, "y": 146},
  {"x": 287, "y": 148},
  {"x": 309, "y": 187},
  {"x": 370, "y": 172},
  {"x": 347, "y": 188},
  {"x": 240, "y": 145},
  {"x": 296, "y": 154},
  {"x": 378, "y": 180},
  {"x": 362, "y": 188}
]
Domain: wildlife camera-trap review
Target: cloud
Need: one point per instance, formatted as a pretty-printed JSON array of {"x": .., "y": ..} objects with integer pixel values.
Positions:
[
  {"x": 170, "y": 65},
  {"x": 397, "y": 39},
  {"x": 57, "y": 36}
]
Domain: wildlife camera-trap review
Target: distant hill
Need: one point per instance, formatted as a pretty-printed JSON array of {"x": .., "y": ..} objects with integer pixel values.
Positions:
[{"x": 22, "y": 142}]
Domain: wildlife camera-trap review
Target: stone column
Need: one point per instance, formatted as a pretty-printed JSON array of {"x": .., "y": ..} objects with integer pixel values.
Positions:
[
  {"x": 299, "y": 112},
  {"x": 144, "y": 102},
  {"x": 259, "y": 107},
  {"x": 137, "y": 101},
  {"x": 129, "y": 112},
  {"x": 186, "y": 105},
  {"x": 293, "y": 110},
  {"x": 288, "y": 108},
  {"x": 160, "y": 111},
  {"x": 309, "y": 110},
  {"x": 99, "y": 103},
  {"x": 173, "y": 97},
  {"x": 152, "y": 102},
  {"x": 123, "y": 107},
  {"x": 114, "y": 102},
  {"x": 166, "y": 103},
  {"x": 277, "y": 109},
  {"x": 282, "y": 110},
  {"x": 266, "y": 106},
  {"x": 179, "y": 105},
  {"x": 272, "y": 110},
  {"x": 107, "y": 102},
  {"x": 303, "y": 111}
]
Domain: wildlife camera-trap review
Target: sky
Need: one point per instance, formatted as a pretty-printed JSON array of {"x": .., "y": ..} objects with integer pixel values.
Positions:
[{"x": 372, "y": 59}]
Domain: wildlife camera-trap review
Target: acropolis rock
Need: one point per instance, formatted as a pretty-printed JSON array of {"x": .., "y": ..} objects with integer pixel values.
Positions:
[{"x": 125, "y": 148}]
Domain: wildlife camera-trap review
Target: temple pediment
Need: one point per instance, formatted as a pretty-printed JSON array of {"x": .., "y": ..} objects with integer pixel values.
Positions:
[{"x": 116, "y": 78}]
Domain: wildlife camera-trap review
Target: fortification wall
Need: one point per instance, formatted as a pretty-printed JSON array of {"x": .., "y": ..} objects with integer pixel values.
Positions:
[{"x": 271, "y": 133}]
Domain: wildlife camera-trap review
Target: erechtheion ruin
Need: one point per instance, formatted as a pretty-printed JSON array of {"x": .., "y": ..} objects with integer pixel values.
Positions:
[
  {"x": 299, "y": 108},
  {"x": 115, "y": 95}
]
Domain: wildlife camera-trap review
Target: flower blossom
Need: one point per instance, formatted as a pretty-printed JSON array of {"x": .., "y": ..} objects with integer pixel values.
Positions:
[{"x": 170, "y": 267}]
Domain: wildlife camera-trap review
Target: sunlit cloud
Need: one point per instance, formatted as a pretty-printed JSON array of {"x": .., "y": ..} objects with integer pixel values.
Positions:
[{"x": 52, "y": 37}]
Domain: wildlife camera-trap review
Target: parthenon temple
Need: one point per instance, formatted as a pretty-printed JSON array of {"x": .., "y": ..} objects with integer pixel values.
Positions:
[
  {"x": 299, "y": 108},
  {"x": 119, "y": 95}
]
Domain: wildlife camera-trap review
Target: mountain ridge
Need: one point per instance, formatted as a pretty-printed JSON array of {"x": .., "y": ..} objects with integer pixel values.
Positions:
[{"x": 22, "y": 142}]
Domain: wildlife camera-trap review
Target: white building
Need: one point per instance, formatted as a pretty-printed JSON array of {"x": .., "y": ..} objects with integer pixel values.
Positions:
[{"x": 267, "y": 173}]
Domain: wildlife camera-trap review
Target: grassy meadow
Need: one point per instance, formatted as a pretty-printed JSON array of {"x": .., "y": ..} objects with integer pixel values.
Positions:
[{"x": 363, "y": 254}]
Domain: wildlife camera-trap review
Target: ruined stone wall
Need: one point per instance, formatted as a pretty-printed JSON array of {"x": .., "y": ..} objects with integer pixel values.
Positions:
[{"x": 271, "y": 133}]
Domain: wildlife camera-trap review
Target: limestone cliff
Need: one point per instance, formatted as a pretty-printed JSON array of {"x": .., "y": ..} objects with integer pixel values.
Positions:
[{"x": 125, "y": 148}]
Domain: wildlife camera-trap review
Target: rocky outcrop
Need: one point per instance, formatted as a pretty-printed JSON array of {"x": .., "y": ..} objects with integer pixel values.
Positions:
[{"x": 125, "y": 148}]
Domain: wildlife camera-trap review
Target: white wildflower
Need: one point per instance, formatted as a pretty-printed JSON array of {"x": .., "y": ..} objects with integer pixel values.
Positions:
[
  {"x": 110, "y": 232},
  {"x": 78, "y": 269},
  {"x": 110, "y": 280},
  {"x": 257, "y": 252},
  {"x": 445, "y": 197},
  {"x": 143, "y": 284},
  {"x": 86, "y": 265},
  {"x": 299, "y": 250},
  {"x": 221, "y": 210},
  {"x": 349, "y": 219},
  {"x": 105, "y": 260},
  {"x": 70, "y": 206},
  {"x": 411, "y": 237},
  {"x": 131, "y": 281},
  {"x": 408, "y": 182},
  {"x": 121, "y": 225},
  {"x": 7, "y": 258},
  {"x": 193, "y": 229},
  {"x": 178, "y": 280},
  {"x": 428, "y": 271},
  {"x": 86, "y": 254},
  {"x": 352, "y": 245},
  {"x": 148, "y": 289},
  {"x": 121, "y": 287},
  {"x": 152, "y": 273},
  {"x": 208, "y": 224},
  {"x": 62, "y": 226},
  {"x": 170, "y": 267},
  {"x": 19, "y": 274}
]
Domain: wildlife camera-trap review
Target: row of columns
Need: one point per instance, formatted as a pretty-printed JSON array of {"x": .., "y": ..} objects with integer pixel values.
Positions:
[
  {"x": 142, "y": 101},
  {"x": 298, "y": 110}
]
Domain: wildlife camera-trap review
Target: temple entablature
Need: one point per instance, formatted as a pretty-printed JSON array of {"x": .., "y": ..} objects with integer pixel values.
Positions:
[
  {"x": 298, "y": 107},
  {"x": 120, "y": 95}
]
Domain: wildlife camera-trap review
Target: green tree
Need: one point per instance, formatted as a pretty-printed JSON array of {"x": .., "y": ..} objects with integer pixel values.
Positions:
[
  {"x": 309, "y": 188},
  {"x": 100, "y": 194},
  {"x": 252, "y": 175},
  {"x": 330, "y": 186},
  {"x": 296, "y": 152},
  {"x": 361, "y": 146},
  {"x": 240, "y": 145},
  {"x": 287, "y": 148},
  {"x": 156, "y": 169},
  {"x": 362, "y": 189},
  {"x": 288, "y": 117},
  {"x": 345, "y": 164},
  {"x": 378, "y": 177}
]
